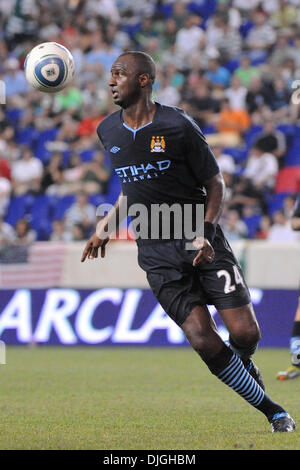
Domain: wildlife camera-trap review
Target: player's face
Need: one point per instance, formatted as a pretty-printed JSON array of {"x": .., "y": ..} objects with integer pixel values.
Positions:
[{"x": 124, "y": 82}]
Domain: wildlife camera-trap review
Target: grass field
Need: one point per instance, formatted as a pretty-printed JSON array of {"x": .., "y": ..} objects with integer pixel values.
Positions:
[{"x": 126, "y": 398}]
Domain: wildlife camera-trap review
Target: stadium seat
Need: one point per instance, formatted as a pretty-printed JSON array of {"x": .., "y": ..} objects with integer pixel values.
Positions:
[
  {"x": 209, "y": 130},
  {"x": 275, "y": 202},
  {"x": 251, "y": 135},
  {"x": 40, "y": 217},
  {"x": 97, "y": 199},
  {"x": 292, "y": 158},
  {"x": 114, "y": 189},
  {"x": 203, "y": 8},
  {"x": 288, "y": 180},
  {"x": 252, "y": 224},
  {"x": 14, "y": 115},
  {"x": 61, "y": 206},
  {"x": 40, "y": 208},
  {"x": 245, "y": 28},
  {"x": 87, "y": 155},
  {"x": 40, "y": 149},
  {"x": 27, "y": 136},
  {"x": 19, "y": 207},
  {"x": 232, "y": 65},
  {"x": 238, "y": 154}
]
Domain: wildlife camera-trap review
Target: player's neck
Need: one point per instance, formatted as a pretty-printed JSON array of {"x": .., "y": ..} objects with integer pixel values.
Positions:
[{"x": 139, "y": 114}]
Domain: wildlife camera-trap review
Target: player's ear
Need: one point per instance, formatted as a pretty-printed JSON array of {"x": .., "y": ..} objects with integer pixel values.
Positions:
[{"x": 144, "y": 79}]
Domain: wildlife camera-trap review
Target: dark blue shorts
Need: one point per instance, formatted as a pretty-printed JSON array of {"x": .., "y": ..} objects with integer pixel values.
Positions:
[{"x": 179, "y": 287}]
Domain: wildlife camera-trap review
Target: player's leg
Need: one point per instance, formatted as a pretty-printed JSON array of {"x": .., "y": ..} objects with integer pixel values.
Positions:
[
  {"x": 202, "y": 334},
  {"x": 244, "y": 336},
  {"x": 293, "y": 371}
]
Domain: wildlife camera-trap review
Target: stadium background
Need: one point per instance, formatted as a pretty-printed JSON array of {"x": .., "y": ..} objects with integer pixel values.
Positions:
[{"x": 234, "y": 66}]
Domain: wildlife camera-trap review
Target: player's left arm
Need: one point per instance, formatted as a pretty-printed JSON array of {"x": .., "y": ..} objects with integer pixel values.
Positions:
[{"x": 215, "y": 189}]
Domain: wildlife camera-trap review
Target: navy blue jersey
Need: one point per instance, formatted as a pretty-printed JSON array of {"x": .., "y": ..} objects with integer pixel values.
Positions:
[{"x": 165, "y": 161}]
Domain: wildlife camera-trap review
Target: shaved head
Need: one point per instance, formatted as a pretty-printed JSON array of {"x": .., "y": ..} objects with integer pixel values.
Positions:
[{"x": 143, "y": 63}]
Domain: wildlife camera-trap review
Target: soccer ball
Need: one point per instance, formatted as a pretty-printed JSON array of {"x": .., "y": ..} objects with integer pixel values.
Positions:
[{"x": 49, "y": 67}]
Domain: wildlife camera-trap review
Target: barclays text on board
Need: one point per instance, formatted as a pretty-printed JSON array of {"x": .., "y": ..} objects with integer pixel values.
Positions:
[{"x": 113, "y": 316}]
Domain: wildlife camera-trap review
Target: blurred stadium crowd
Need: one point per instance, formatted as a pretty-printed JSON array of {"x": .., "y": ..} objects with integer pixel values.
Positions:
[{"x": 232, "y": 65}]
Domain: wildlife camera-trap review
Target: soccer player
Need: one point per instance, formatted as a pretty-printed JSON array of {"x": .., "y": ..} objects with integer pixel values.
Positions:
[
  {"x": 293, "y": 371},
  {"x": 162, "y": 157}
]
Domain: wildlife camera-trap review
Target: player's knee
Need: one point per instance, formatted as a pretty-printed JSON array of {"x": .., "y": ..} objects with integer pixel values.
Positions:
[
  {"x": 247, "y": 337},
  {"x": 202, "y": 340},
  {"x": 199, "y": 342}
]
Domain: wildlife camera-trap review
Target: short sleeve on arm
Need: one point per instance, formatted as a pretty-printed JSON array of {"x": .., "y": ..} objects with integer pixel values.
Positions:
[
  {"x": 199, "y": 155},
  {"x": 100, "y": 138}
]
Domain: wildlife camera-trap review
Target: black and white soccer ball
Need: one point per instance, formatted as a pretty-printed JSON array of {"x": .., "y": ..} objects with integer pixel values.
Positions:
[{"x": 49, "y": 67}]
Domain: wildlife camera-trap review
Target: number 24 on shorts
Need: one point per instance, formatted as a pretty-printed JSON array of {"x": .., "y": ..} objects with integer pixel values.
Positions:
[{"x": 228, "y": 287}]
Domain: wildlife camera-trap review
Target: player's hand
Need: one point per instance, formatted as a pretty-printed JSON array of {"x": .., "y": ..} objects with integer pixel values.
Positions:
[
  {"x": 206, "y": 252},
  {"x": 92, "y": 247}
]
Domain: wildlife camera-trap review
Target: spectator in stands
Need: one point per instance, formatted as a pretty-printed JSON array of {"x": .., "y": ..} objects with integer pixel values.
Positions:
[
  {"x": 285, "y": 16},
  {"x": 261, "y": 168},
  {"x": 281, "y": 230},
  {"x": 53, "y": 175},
  {"x": 202, "y": 106},
  {"x": 190, "y": 40},
  {"x": 73, "y": 174},
  {"x": 289, "y": 206},
  {"x": 96, "y": 174},
  {"x": 225, "y": 161},
  {"x": 234, "y": 121},
  {"x": 81, "y": 212},
  {"x": 246, "y": 71},
  {"x": 272, "y": 140},
  {"x": 236, "y": 93},
  {"x": 245, "y": 194},
  {"x": 229, "y": 42},
  {"x": 234, "y": 228},
  {"x": 169, "y": 33},
  {"x": 281, "y": 100},
  {"x": 14, "y": 78},
  {"x": 78, "y": 233},
  {"x": 145, "y": 32},
  {"x": 7, "y": 234},
  {"x": 264, "y": 228},
  {"x": 166, "y": 93},
  {"x": 5, "y": 191},
  {"x": 258, "y": 99},
  {"x": 27, "y": 173},
  {"x": 261, "y": 37},
  {"x": 295, "y": 50},
  {"x": 282, "y": 50},
  {"x": 179, "y": 13},
  {"x": 217, "y": 74},
  {"x": 24, "y": 233},
  {"x": 59, "y": 232}
]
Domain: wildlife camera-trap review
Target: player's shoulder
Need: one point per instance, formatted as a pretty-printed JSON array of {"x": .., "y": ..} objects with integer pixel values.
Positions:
[
  {"x": 108, "y": 124},
  {"x": 180, "y": 117},
  {"x": 174, "y": 112}
]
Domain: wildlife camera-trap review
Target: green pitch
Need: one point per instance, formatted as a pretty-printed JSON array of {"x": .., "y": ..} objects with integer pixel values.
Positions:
[{"x": 127, "y": 398}]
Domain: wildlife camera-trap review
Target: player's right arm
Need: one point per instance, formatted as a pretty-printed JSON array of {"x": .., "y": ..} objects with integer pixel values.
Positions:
[{"x": 100, "y": 238}]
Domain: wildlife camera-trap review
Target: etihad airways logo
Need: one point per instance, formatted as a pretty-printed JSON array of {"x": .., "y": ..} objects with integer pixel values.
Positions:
[{"x": 144, "y": 171}]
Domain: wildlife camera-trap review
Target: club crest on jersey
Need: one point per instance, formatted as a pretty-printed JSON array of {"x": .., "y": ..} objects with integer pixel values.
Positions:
[{"x": 158, "y": 144}]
